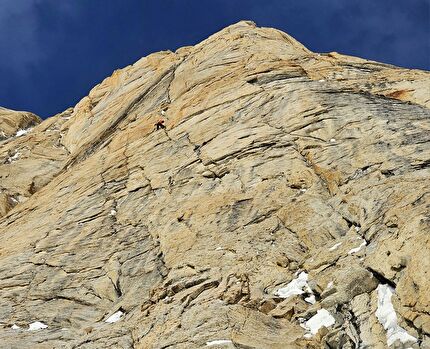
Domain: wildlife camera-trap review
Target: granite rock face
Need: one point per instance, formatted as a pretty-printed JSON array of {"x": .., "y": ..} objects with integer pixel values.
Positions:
[
  {"x": 16, "y": 123},
  {"x": 286, "y": 185}
]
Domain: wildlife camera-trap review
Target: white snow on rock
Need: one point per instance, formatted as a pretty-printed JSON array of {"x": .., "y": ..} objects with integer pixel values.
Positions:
[
  {"x": 22, "y": 132},
  {"x": 35, "y": 326},
  {"x": 330, "y": 284},
  {"x": 296, "y": 286},
  {"x": 15, "y": 327},
  {"x": 332, "y": 140},
  {"x": 320, "y": 319},
  {"x": 13, "y": 158},
  {"x": 115, "y": 317},
  {"x": 387, "y": 317},
  {"x": 311, "y": 299},
  {"x": 335, "y": 246},
  {"x": 219, "y": 342},
  {"x": 112, "y": 212},
  {"x": 356, "y": 249}
]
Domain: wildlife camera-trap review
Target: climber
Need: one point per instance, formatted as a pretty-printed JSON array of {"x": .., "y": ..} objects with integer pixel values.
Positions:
[{"x": 160, "y": 124}]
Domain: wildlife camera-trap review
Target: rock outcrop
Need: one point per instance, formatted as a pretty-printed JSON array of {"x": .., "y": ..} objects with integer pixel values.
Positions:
[
  {"x": 16, "y": 123},
  {"x": 289, "y": 190}
]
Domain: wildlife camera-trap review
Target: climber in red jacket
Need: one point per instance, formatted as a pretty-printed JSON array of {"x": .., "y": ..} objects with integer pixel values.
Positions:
[{"x": 160, "y": 124}]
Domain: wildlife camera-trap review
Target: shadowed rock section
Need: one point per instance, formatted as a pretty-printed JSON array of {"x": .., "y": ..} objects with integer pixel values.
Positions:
[{"x": 287, "y": 185}]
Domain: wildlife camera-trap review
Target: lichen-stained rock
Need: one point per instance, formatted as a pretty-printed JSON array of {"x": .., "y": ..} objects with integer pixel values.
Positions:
[{"x": 274, "y": 161}]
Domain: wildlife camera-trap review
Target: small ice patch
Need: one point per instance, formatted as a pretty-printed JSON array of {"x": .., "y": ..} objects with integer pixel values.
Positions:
[
  {"x": 22, "y": 132},
  {"x": 355, "y": 250},
  {"x": 330, "y": 284},
  {"x": 112, "y": 212},
  {"x": 303, "y": 190},
  {"x": 311, "y": 299},
  {"x": 115, "y": 317},
  {"x": 35, "y": 326},
  {"x": 13, "y": 158},
  {"x": 387, "y": 317},
  {"x": 219, "y": 342},
  {"x": 320, "y": 319},
  {"x": 335, "y": 246},
  {"x": 332, "y": 140},
  {"x": 357, "y": 229},
  {"x": 15, "y": 327},
  {"x": 296, "y": 286}
]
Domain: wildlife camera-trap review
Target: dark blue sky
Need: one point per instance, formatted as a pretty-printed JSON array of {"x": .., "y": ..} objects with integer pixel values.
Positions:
[{"x": 54, "y": 51}]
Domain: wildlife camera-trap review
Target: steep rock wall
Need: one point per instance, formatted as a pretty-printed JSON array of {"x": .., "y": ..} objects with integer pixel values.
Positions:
[{"x": 275, "y": 161}]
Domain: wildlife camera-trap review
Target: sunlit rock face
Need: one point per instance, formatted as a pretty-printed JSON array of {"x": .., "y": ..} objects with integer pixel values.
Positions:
[
  {"x": 285, "y": 190},
  {"x": 16, "y": 123}
]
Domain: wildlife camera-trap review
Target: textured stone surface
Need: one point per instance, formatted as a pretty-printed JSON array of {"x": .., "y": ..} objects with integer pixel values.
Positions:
[
  {"x": 12, "y": 121},
  {"x": 275, "y": 160}
]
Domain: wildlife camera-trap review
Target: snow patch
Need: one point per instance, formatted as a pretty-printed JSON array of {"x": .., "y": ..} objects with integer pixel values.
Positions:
[
  {"x": 311, "y": 299},
  {"x": 330, "y": 284},
  {"x": 115, "y": 317},
  {"x": 112, "y": 212},
  {"x": 320, "y": 319},
  {"x": 13, "y": 158},
  {"x": 296, "y": 286},
  {"x": 332, "y": 140},
  {"x": 355, "y": 250},
  {"x": 35, "y": 326},
  {"x": 219, "y": 342},
  {"x": 335, "y": 246},
  {"x": 23, "y": 132},
  {"x": 387, "y": 317},
  {"x": 15, "y": 327}
]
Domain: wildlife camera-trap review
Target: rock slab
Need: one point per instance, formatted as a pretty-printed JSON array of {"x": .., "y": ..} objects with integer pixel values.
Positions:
[{"x": 275, "y": 161}]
